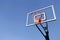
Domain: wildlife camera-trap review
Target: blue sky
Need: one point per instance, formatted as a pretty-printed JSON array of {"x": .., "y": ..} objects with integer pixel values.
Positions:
[{"x": 13, "y": 18}]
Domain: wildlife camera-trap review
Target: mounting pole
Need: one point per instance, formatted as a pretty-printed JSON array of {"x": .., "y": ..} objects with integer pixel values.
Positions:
[
  {"x": 47, "y": 32},
  {"x": 45, "y": 29},
  {"x": 40, "y": 30}
]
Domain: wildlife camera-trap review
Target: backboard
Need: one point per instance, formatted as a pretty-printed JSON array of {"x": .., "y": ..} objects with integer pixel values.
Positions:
[{"x": 47, "y": 14}]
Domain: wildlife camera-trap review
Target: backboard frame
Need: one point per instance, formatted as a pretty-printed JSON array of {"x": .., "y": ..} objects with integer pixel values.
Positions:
[{"x": 54, "y": 15}]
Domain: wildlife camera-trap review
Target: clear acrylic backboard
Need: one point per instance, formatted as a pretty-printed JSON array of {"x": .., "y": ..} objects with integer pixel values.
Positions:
[{"x": 48, "y": 15}]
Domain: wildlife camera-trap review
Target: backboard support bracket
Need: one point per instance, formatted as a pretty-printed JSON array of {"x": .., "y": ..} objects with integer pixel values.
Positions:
[{"x": 45, "y": 30}]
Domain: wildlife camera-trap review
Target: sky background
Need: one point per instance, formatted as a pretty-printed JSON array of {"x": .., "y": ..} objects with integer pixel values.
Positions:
[{"x": 13, "y": 15}]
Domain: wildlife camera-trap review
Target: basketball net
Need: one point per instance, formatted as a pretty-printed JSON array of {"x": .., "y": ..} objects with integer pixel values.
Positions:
[{"x": 38, "y": 20}]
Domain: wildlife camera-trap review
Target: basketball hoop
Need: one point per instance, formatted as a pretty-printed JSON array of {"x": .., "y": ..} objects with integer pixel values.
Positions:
[
  {"x": 37, "y": 20},
  {"x": 40, "y": 20}
]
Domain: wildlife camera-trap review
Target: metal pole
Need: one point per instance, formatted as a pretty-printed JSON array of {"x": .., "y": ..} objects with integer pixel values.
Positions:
[
  {"x": 40, "y": 30},
  {"x": 46, "y": 31},
  {"x": 47, "y": 36}
]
